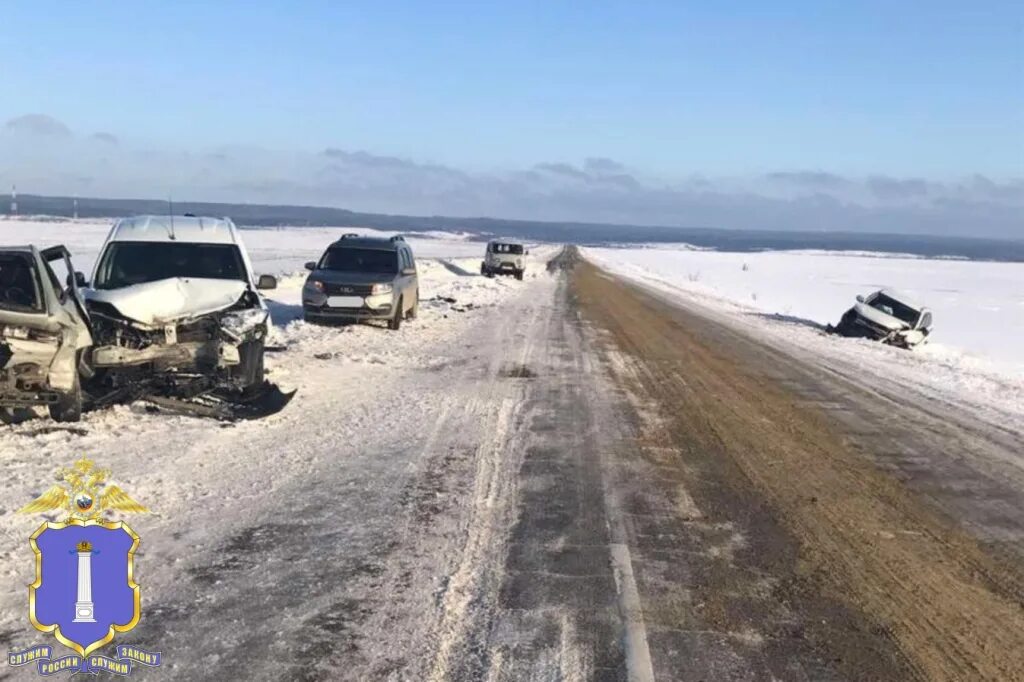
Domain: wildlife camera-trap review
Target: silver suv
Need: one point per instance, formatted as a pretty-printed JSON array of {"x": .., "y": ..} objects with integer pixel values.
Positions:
[
  {"x": 363, "y": 278},
  {"x": 504, "y": 258}
]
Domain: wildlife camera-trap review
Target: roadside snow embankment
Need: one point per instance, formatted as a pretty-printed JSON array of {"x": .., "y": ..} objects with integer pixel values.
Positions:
[{"x": 975, "y": 354}]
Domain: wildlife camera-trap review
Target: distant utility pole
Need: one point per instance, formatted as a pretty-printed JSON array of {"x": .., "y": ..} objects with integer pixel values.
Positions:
[
  {"x": 14, "y": 200},
  {"x": 75, "y": 203}
]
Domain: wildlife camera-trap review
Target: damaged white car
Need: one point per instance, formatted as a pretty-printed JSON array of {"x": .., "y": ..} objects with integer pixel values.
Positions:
[
  {"x": 889, "y": 316},
  {"x": 176, "y": 316},
  {"x": 44, "y": 333}
]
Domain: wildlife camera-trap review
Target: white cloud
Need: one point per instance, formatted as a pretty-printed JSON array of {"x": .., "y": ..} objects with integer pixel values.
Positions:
[{"x": 42, "y": 156}]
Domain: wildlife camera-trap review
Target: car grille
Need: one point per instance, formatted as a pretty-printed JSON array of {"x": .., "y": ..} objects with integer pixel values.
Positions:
[{"x": 347, "y": 289}]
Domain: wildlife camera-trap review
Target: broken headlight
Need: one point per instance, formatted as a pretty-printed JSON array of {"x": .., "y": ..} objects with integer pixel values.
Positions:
[{"x": 240, "y": 323}]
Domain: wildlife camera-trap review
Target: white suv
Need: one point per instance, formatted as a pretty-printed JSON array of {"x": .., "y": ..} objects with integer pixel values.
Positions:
[{"x": 175, "y": 309}]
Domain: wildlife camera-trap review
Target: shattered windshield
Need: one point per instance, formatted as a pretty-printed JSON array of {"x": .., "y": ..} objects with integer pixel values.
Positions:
[
  {"x": 360, "y": 260},
  {"x": 128, "y": 263},
  {"x": 516, "y": 249},
  {"x": 891, "y": 306},
  {"x": 19, "y": 286}
]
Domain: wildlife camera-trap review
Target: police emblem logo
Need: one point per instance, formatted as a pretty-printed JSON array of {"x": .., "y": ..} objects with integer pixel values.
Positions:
[{"x": 84, "y": 590}]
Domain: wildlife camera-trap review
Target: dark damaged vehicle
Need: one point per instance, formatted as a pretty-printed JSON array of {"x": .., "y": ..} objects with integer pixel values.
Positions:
[
  {"x": 176, "y": 315},
  {"x": 889, "y": 316},
  {"x": 45, "y": 334}
]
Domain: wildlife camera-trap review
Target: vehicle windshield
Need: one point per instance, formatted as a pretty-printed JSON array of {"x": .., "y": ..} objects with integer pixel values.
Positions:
[
  {"x": 350, "y": 259},
  {"x": 19, "y": 286},
  {"x": 516, "y": 249},
  {"x": 128, "y": 263},
  {"x": 891, "y": 306}
]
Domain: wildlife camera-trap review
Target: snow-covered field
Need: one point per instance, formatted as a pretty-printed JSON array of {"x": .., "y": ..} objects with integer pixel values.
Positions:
[
  {"x": 976, "y": 352},
  {"x": 274, "y": 250}
]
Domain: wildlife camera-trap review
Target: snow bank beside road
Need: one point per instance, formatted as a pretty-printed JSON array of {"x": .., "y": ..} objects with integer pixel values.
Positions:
[{"x": 975, "y": 352}]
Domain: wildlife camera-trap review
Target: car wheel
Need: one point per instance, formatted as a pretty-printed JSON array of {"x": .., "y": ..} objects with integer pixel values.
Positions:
[
  {"x": 415, "y": 309},
  {"x": 396, "y": 320},
  {"x": 69, "y": 407},
  {"x": 519, "y": 275}
]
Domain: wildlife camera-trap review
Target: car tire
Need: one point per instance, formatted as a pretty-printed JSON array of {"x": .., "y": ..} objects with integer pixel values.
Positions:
[
  {"x": 395, "y": 323},
  {"x": 69, "y": 407},
  {"x": 519, "y": 275}
]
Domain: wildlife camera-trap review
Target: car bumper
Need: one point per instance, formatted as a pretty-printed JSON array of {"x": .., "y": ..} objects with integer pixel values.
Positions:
[{"x": 362, "y": 313}]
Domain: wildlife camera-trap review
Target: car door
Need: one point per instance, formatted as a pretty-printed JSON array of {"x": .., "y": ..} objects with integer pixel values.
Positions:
[{"x": 70, "y": 297}]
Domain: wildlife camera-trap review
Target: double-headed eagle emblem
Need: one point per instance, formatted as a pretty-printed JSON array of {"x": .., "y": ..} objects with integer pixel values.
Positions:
[{"x": 84, "y": 493}]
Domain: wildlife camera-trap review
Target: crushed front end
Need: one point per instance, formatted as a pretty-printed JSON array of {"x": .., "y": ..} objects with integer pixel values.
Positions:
[
  {"x": 214, "y": 357},
  {"x": 42, "y": 334}
]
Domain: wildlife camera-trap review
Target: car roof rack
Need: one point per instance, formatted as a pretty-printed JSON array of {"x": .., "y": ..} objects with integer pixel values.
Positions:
[{"x": 349, "y": 235}]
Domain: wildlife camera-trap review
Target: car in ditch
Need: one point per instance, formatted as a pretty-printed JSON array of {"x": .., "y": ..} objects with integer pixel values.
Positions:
[
  {"x": 504, "y": 258},
  {"x": 362, "y": 278},
  {"x": 889, "y": 316},
  {"x": 44, "y": 334},
  {"x": 176, "y": 314}
]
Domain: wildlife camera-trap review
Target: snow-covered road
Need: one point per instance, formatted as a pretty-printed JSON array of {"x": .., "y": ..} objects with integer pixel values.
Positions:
[{"x": 273, "y": 541}]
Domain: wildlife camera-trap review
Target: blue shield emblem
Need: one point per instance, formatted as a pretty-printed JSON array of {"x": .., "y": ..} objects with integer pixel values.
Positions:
[{"x": 84, "y": 590}]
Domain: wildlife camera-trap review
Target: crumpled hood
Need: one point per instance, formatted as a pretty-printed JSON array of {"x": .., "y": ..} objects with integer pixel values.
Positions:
[
  {"x": 881, "y": 319},
  {"x": 169, "y": 300}
]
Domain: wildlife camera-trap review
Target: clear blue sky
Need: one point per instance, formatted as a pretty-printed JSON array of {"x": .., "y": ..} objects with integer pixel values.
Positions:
[{"x": 930, "y": 89}]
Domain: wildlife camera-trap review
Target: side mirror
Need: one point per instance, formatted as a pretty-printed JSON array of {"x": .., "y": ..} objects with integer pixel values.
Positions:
[
  {"x": 311, "y": 265},
  {"x": 408, "y": 271},
  {"x": 860, "y": 299},
  {"x": 266, "y": 282},
  {"x": 79, "y": 280}
]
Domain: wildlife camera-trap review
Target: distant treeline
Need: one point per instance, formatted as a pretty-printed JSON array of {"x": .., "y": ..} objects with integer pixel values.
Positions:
[{"x": 562, "y": 232}]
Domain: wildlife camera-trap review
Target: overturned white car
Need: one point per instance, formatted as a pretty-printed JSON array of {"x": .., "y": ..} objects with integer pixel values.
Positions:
[
  {"x": 176, "y": 314},
  {"x": 889, "y": 316}
]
